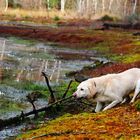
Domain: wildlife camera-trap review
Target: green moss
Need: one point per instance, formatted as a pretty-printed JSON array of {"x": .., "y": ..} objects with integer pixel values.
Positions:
[
  {"x": 102, "y": 47},
  {"x": 137, "y": 42},
  {"x": 25, "y": 85},
  {"x": 19, "y": 40},
  {"x": 7, "y": 105},
  {"x": 137, "y": 104},
  {"x": 131, "y": 58},
  {"x": 125, "y": 58},
  {"x": 42, "y": 55},
  {"x": 60, "y": 90}
]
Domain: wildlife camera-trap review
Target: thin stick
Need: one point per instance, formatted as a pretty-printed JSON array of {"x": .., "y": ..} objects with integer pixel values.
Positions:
[
  {"x": 49, "y": 87},
  {"x": 64, "y": 95},
  {"x": 3, "y": 49},
  {"x": 61, "y": 133}
]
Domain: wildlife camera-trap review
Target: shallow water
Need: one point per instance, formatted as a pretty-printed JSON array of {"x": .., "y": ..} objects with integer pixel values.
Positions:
[{"x": 24, "y": 60}]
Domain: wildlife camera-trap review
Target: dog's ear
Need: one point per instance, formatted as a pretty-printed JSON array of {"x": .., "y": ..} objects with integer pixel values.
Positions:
[{"x": 92, "y": 89}]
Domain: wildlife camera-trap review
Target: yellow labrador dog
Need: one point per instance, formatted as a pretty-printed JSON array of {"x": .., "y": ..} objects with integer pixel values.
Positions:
[{"x": 113, "y": 88}]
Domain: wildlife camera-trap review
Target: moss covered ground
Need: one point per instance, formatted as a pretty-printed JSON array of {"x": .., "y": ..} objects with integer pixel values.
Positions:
[{"x": 119, "y": 123}]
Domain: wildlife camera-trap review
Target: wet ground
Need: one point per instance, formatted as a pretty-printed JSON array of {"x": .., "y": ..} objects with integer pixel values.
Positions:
[{"x": 23, "y": 61}]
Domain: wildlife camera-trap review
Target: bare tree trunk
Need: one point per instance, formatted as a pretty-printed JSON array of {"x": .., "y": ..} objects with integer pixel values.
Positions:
[
  {"x": 125, "y": 7},
  {"x": 103, "y": 6},
  {"x": 40, "y": 4},
  {"x": 63, "y": 5},
  {"x": 48, "y": 4},
  {"x": 88, "y": 9},
  {"x": 134, "y": 8},
  {"x": 6, "y": 5},
  {"x": 79, "y": 5},
  {"x": 95, "y": 5},
  {"x": 110, "y": 5}
]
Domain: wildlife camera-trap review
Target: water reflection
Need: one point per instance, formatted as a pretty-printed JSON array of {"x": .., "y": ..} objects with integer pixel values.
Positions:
[{"x": 24, "y": 62}]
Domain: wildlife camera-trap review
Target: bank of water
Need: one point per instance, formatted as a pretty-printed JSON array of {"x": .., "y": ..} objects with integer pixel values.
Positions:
[{"x": 24, "y": 60}]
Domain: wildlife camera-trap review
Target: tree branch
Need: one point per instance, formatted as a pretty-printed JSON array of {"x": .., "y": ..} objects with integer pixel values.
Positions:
[
  {"x": 64, "y": 95},
  {"x": 49, "y": 87},
  {"x": 62, "y": 133}
]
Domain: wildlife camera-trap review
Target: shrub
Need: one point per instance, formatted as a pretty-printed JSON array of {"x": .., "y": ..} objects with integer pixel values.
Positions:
[
  {"x": 56, "y": 18},
  {"x": 109, "y": 18},
  {"x": 133, "y": 18}
]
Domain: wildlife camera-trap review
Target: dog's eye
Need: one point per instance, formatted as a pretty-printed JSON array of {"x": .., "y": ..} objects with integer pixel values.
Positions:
[{"x": 82, "y": 89}]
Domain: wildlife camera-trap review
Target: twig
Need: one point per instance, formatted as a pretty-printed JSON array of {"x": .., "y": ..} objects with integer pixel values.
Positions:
[
  {"x": 47, "y": 107},
  {"x": 88, "y": 104},
  {"x": 64, "y": 95},
  {"x": 49, "y": 87},
  {"x": 61, "y": 133},
  {"x": 18, "y": 119}
]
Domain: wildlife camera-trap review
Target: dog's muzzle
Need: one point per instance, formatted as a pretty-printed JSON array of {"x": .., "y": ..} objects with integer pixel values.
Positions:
[{"x": 74, "y": 94}]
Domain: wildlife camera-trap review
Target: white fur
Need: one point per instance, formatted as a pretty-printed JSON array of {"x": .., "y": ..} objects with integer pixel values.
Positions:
[{"x": 110, "y": 88}]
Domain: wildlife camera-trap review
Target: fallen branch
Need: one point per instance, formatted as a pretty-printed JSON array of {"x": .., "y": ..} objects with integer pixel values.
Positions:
[
  {"x": 49, "y": 87},
  {"x": 61, "y": 133},
  {"x": 108, "y": 25},
  {"x": 64, "y": 95},
  {"x": 136, "y": 34},
  {"x": 20, "y": 118}
]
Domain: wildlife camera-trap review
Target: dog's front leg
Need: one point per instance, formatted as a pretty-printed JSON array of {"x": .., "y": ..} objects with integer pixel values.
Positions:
[
  {"x": 112, "y": 104},
  {"x": 98, "y": 106}
]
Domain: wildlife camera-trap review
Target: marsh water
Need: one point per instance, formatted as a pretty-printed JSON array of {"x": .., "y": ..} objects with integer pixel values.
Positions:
[{"x": 23, "y": 61}]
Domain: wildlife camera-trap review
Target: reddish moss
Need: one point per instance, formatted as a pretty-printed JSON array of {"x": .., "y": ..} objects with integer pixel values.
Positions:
[{"x": 111, "y": 68}]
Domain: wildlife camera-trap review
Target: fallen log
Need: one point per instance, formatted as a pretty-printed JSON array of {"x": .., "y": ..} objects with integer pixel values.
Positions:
[
  {"x": 32, "y": 98},
  {"x": 108, "y": 25},
  {"x": 20, "y": 118},
  {"x": 136, "y": 34}
]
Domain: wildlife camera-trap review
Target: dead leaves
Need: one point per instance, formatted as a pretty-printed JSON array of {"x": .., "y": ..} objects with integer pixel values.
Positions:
[{"x": 118, "y": 123}]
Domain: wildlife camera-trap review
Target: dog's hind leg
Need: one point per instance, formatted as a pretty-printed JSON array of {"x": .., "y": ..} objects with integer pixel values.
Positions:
[
  {"x": 127, "y": 99},
  {"x": 137, "y": 91}
]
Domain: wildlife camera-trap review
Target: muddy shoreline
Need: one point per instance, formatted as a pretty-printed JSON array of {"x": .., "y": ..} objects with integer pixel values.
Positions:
[{"x": 77, "y": 38}]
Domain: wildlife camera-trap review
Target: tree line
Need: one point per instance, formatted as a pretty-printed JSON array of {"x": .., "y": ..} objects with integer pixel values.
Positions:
[{"x": 84, "y": 8}]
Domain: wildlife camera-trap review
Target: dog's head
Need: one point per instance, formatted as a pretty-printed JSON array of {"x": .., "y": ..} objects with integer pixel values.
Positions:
[{"x": 86, "y": 89}]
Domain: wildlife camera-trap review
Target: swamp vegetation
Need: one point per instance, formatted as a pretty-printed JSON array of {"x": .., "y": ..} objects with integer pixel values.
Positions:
[{"x": 83, "y": 50}]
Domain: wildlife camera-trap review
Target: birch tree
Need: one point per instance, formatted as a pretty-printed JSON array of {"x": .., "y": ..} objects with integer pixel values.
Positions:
[
  {"x": 63, "y": 5},
  {"x": 95, "y": 5},
  {"x": 103, "y": 6},
  {"x": 6, "y": 5},
  {"x": 79, "y": 5},
  {"x": 125, "y": 7},
  {"x": 48, "y": 4},
  {"x": 110, "y": 5},
  {"x": 135, "y": 5}
]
